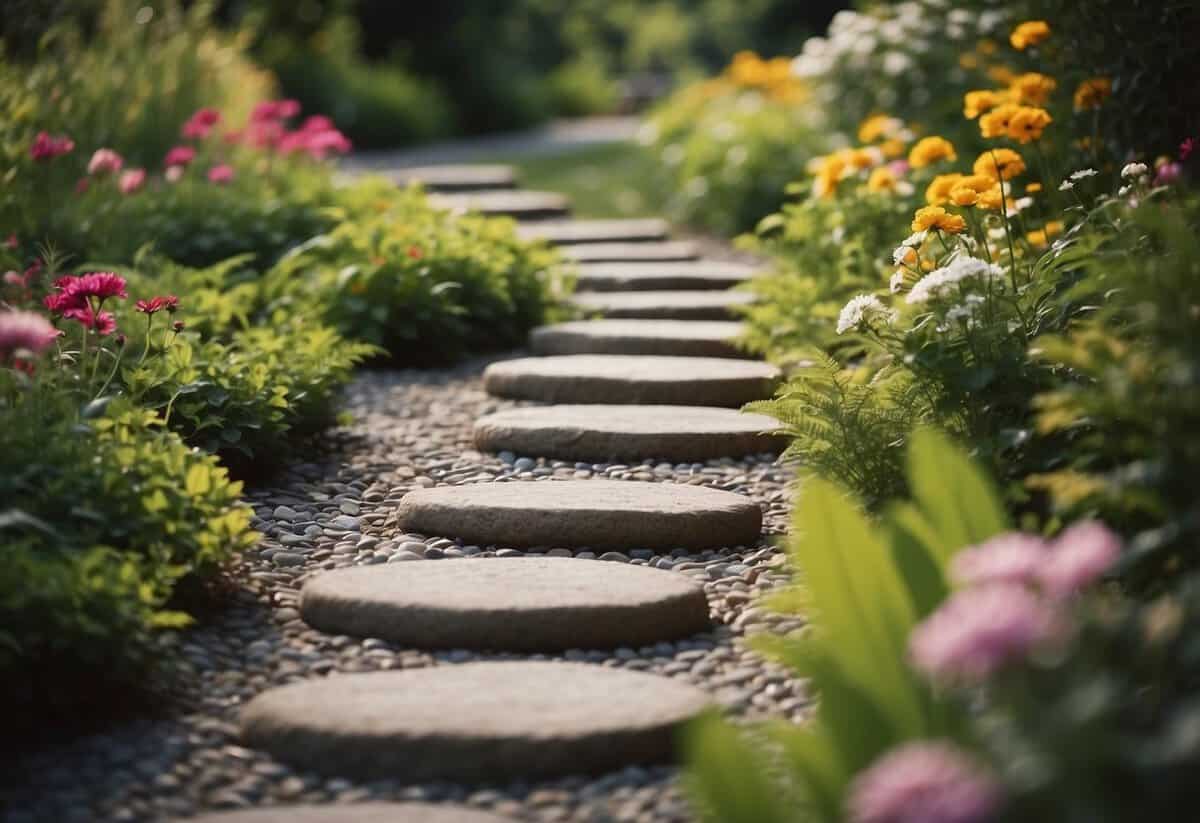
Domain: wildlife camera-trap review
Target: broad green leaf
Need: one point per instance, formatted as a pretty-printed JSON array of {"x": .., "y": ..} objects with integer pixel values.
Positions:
[{"x": 728, "y": 778}]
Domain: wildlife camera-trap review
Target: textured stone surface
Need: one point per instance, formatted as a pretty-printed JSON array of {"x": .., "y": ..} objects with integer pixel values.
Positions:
[
  {"x": 667, "y": 250},
  {"x": 475, "y": 721},
  {"x": 570, "y": 232},
  {"x": 356, "y": 813},
  {"x": 616, "y": 378},
  {"x": 458, "y": 178},
  {"x": 507, "y": 604},
  {"x": 695, "y": 275},
  {"x": 604, "y": 432},
  {"x": 601, "y": 514},
  {"x": 521, "y": 204},
  {"x": 672, "y": 338},
  {"x": 664, "y": 305}
]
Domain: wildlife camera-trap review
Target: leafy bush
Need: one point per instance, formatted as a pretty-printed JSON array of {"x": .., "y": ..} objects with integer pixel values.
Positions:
[{"x": 424, "y": 284}]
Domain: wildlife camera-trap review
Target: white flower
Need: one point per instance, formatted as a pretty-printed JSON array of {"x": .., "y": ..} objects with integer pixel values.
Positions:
[
  {"x": 896, "y": 63},
  {"x": 915, "y": 239},
  {"x": 937, "y": 282},
  {"x": 1083, "y": 173},
  {"x": 860, "y": 310},
  {"x": 900, "y": 255},
  {"x": 1134, "y": 171},
  {"x": 896, "y": 283},
  {"x": 1067, "y": 185},
  {"x": 1124, "y": 190}
]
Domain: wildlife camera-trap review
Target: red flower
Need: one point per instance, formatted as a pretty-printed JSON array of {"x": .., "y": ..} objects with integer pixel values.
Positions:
[
  {"x": 46, "y": 147},
  {"x": 156, "y": 304},
  {"x": 1187, "y": 147},
  {"x": 415, "y": 252},
  {"x": 220, "y": 174},
  {"x": 99, "y": 284},
  {"x": 73, "y": 295},
  {"x": 131, "y": 181},
  {"x": 180, "y": 156},
  {"x": 201, "y": 124},
  {"x": 102, "y": 322}
]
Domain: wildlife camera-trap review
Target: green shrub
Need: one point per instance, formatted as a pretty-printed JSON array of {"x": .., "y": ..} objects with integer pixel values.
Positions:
[{"x": 423, "y": 284}]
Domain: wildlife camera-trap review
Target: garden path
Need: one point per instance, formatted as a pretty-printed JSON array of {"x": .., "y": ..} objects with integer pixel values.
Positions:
[{"x": 520, "y": 679}]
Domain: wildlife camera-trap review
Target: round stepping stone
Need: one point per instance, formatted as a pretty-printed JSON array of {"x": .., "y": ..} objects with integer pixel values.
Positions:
[
  {"x": 698, "y": 274},
  {"x": 471, "y": 177},
  {"x": 527, "y": 604},
  {"x": 595, "y": 433},
  {"x": 677, "y": 338},
  {"x": 615, "y": 378},
  {"x": 473, "y": 722},
  {"x": 666, "y": 305},
  {"x": 355, "y": 813},
  {"x": 521, "y": 204},
  {"x": 569, "y": 232},
  {"x": 596, "y": 514},
  {"x": 667, "y": 250}
]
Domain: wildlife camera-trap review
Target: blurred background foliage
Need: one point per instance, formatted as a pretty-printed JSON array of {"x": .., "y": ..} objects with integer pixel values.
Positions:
[{"x": 393, "y": 73}]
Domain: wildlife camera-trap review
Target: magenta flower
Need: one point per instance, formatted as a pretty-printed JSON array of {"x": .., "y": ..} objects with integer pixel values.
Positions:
[
  {"x": 101, "y": 322},
  {"x": 46, "y": 147},
  {"x": 924, "y": 782},
  {"x": 98, "y": 284},
  {"x": 131, "y": 181},
  {"x": 156, "y": 304},
  {"x": 24, "y": 331},
  {"x": 180, "y": 156},
  {"x": 1079, "y": 557},
  {"x": 978, "y": 631},
  {"x": 1168, "y": 174},
  {"x": 1007, "y": 558},
  {"x": 201, "y": 124},
  {"x": 274, "y": 110},
  {"x": 105, "y": 161},
  {"x": 220, "y": 174},
  {"x": 1187, "y": 147}
]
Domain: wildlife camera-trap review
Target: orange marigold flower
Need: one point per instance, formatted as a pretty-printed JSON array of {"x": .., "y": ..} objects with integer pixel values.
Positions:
[
  {"x": 991, "y": 199},
  {"x": 1029, "y": 33},
  {"x": 967, "y": 190},
  {"x": 1092, "y": 93},
  {"x": 999, "y": 164},
  {"x": 1033, "y": 88},
  {"x": 1033, "y": 188},
  {"x": 882, "y": 179},
  {"x": 930, "y": 150},
  {"x": 878, "y": 126},
  {"x": 938, "y": 192},
  {"x": 935, "y": 217},
  {"x": 892, "y": 148},
  {"x": 996, "y": 122},
  {"x": 1028, "y": 123},
  {"x": 1001, "y": 75},
  {"x": 976, "y": 103}
]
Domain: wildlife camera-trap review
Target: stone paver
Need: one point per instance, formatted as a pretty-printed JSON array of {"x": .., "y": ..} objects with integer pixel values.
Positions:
[
  {"x": 531, "y": 604},
  {"x": 604, "y": 432},
  {"x": 521, "y": 204},
  {"x": 355, "y": 813},
  {"x": 664, "y": 251},
  {"x": 474, "y": 721},
  {"x": 570, "y": 232},
  {"x": 664, "y": 305},
  {"x": 599, "y": 514},
  {"x": 693, "y": 275},
  {"x": 615, "y": 378},
  {"x": 475, "y": 177},
  {"x": 672, "y": 338}
]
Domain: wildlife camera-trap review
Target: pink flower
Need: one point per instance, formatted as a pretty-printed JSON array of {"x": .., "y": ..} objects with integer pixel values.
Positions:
[
  {"x": 156, "y": 304},
  {"x": 1187, "y": 147},
  {"x": 132, "y": 180},
  {"x": 1168, "y": 174},
  {"x": 101, "y": 322},
  {"x": 201, "y": 124},
  {"x": 899, "y": 167},
  {"x": 1079, "y": 557},
  {"x": 274, "y": 110},
  {"x": 924, "y": 782},
  {"x": 220, "y": 174},
  {"x": 46, "y": 147},
  {"x": 1007, "y": 558},
  {"x": 978, "y": 631},
  {"x": 173, "y": 174},
  {"x": 105, "y": 161},
  {"x": 180, "y": 156},
  {"x": 24, "y": 331},
  {"x": 73, "y": 295}
]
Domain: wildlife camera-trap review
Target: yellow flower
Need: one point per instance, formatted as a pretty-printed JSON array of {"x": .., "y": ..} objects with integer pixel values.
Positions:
[
  {"x": 1054, "y": 228},
  {"x": 878, "y": 126},
  {"x": 938, "y": 192},
  {"x": 930, "y": 150},
  {"x": 935, "y": 217},
  {"x": 908, "y": 257},
  {"x": 976, "y": 103},
  {"x": 892, "y": 148},
  {"x": 968, "y": 60},
  {"x": 991, "y": 199},
  {"x": 1027, "y": 124},
  {"x": 996, "y": 122},
  {"x": 1033, "y": 88},
  {"x": 964, "y": 196},
  {"x": 967, "y": 190},
  {"x": 882, "y": 179},
  {"x": 1001, "y": 74},
  {"x": 865, "y": 158},
  {"x": 1029, "y": 33},
  {"x": 1092, "y": 93},
  {"x": 986, "y": 46},
  {"x": 1033, "y": 188},
  {"x": 1036, "y": 238},
  {"x": 999, "y": 164}
]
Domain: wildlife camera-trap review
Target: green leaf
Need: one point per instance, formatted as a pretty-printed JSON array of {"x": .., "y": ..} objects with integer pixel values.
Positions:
[
  {"x": 728, "y": 778},
  {"x": 199, "y": 480}
]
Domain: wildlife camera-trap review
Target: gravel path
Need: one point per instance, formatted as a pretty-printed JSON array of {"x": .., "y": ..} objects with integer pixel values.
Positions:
[{"x": 413, "y": 429}]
